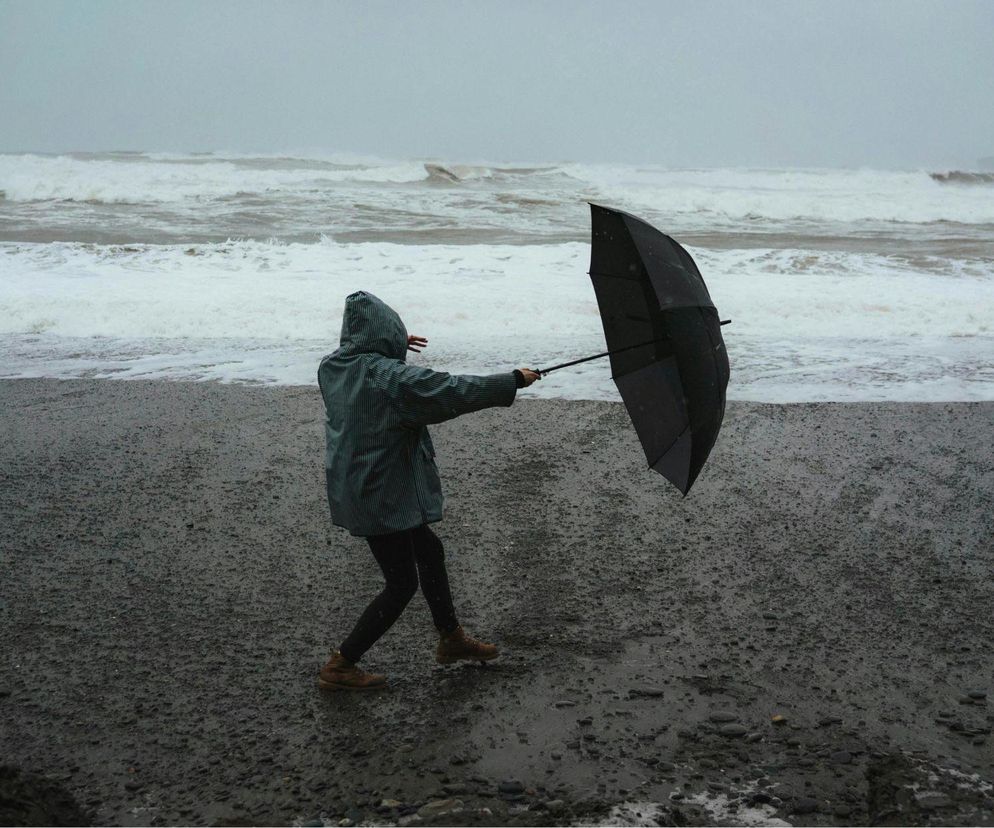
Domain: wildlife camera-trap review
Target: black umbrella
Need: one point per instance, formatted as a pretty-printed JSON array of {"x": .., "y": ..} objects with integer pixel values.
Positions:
[{"x": 663, "y": 334}]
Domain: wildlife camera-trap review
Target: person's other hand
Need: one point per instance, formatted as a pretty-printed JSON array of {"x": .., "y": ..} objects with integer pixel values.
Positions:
[
  {"x": 530, "y": 375},
  {"x": 416, "y": 343}
]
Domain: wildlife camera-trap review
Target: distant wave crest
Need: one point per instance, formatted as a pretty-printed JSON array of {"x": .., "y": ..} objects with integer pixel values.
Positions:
[
  {"x": 140, "y": 179},
  {"x": 963, "y": 177},
  {"x": 456, "y": 173},
  {"x": 260, "y": 191}
]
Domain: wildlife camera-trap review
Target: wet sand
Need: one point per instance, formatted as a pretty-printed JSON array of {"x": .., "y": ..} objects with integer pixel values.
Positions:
[{"x": 172, "y": 582}]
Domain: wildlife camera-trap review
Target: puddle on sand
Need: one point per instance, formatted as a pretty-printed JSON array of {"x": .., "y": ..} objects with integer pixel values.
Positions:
[{"x": 600, "y": 733}]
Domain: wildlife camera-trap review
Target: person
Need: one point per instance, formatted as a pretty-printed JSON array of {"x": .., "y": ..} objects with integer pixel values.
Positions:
[{"x": 381, "y": 476}]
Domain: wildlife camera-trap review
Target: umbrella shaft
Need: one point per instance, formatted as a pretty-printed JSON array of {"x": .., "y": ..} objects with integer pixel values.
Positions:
[
  {"x": 608, "y": 353},
  {"x": 597, "y": 356}
]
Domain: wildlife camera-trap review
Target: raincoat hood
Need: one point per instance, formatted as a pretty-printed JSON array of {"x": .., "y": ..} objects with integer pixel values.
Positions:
[{"x": 370, "y": 325}]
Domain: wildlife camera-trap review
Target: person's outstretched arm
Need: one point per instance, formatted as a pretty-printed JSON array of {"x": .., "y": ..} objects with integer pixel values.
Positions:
[{"x": 422, "y": 396}]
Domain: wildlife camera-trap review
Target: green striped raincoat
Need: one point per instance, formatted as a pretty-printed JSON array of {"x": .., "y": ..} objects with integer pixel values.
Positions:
[{"x": 379, "y": 464}]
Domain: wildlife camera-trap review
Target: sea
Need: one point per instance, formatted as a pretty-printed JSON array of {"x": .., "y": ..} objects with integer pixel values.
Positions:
[{"x": 841, "y": 284}]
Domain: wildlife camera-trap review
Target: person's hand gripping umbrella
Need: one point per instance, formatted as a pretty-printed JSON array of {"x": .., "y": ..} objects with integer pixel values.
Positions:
[{"x": 417, "y": 344}]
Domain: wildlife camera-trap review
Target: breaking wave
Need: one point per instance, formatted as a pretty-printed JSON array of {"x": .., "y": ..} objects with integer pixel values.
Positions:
[
  {"x": 816, "y": 196},
  {"x": 745, "y": 198},
  {"x": 146, "y": 180},
  {"x": 961, "y": 177},
  {"x": 457, "y": 173}
]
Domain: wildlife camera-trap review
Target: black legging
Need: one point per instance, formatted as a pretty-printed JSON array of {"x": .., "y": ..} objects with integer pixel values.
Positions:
[{"x": 403, "y": 556}]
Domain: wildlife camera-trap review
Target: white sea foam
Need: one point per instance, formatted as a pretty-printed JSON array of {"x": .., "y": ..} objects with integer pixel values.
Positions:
[
  {"x": 725, "y": 812},
  {"x": 464, "y": 292},
  {"x": 631, "y": 815},
  {"x": 718, "y": 807},
  {"x": 807, "y": 325}
]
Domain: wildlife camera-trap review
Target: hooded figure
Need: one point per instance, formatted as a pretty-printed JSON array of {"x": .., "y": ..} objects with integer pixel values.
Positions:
[{"x": 381, "y": 476}]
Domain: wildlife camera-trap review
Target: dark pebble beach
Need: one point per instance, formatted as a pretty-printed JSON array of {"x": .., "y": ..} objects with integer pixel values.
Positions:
[{"x": 805, "y": 639}]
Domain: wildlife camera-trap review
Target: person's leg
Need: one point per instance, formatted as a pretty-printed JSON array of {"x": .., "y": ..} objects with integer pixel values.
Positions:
[
  {"x": 430, "y": 556},
  {"x": 395, "y": 555},
  {"x": 454, "y": 644}
]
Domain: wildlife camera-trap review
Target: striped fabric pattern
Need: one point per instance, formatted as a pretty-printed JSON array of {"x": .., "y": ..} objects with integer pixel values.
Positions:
[{"x": 380, "y": 467}]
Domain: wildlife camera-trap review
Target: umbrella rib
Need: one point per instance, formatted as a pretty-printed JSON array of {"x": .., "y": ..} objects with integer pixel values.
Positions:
[
  {"x": 614, "y": 276},
  {"x": 677, "y": 440}
]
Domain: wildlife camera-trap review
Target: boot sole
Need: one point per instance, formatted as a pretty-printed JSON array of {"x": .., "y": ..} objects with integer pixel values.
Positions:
[
  {"x": 331, "y": 685},
  {"x": 454, "y": 659}
]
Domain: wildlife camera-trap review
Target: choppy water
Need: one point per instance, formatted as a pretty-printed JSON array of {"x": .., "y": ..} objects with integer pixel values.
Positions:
[{"x": 842, "y": 284}]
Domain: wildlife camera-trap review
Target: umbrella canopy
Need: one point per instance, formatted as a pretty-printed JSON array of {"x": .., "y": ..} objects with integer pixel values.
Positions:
[{"x": 663, "y": 333}]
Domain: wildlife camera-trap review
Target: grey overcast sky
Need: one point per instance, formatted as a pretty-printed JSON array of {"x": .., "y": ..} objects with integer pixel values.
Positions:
[{"x": 816, "y": 83}]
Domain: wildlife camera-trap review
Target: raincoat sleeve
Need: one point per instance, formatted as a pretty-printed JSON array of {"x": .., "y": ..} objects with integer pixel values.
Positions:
[{"x": 422, "y": 396}]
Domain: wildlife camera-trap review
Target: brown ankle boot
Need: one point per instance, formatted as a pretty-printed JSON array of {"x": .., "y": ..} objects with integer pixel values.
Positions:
[
  {"x": 457, "y": 646},
  {"x": 341, "y": 674}
]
